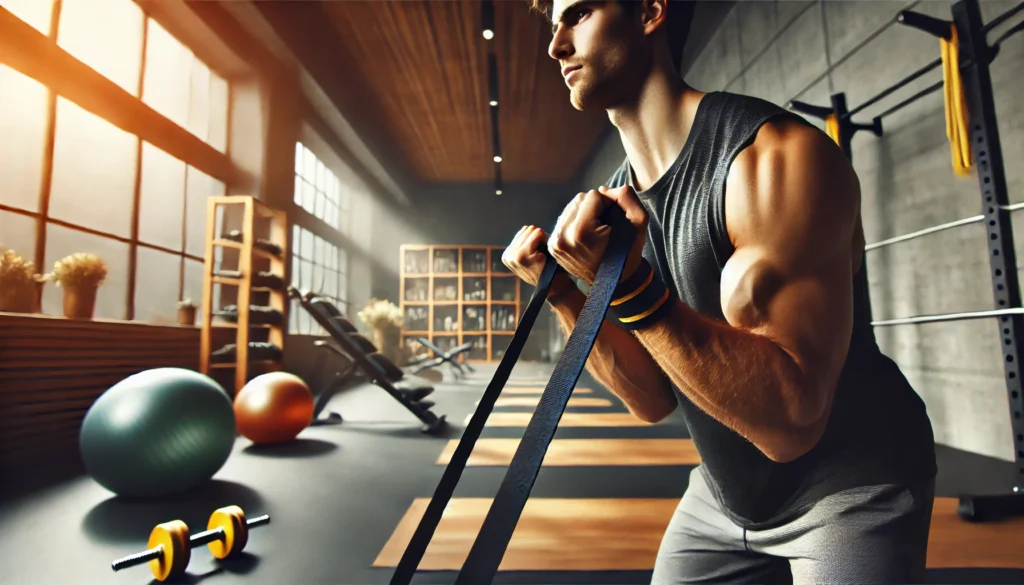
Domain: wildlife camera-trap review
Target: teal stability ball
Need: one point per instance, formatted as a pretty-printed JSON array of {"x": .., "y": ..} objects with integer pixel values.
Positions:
[{"x": 159, "y": 432}]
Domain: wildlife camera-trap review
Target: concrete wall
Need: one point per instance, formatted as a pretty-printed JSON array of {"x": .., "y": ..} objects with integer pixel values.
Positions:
[{"x": 807, "y": 50}]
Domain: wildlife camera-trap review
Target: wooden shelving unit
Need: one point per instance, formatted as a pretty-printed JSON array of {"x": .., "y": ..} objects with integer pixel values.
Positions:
[
  {"x": 459, "y": 294},
  {"x": 258, "y": 222}
]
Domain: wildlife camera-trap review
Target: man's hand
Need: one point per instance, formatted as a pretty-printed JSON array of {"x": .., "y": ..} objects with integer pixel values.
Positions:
[
  {"x": 526, "y": 259},
  {"x": 579, "y": 240}
]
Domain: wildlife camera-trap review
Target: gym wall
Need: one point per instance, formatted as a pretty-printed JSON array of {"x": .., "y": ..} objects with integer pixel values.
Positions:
[{"x": 807, "y": 50}]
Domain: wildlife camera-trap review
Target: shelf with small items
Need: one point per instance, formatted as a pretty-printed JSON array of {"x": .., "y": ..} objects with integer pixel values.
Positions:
[
  {"x": 245, "y": 267},
  {"x": 455, "y": 294}
]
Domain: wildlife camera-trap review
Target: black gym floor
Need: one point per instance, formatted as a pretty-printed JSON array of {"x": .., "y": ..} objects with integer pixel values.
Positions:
[{"x": 337, "y": 494}]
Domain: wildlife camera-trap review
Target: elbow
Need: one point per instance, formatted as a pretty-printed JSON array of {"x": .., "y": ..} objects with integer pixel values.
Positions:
[
  {"x": 792, "y": 444},
  {"x": 652, "y": 416},
  {"x": 801, "y": 432},
  {"x": 656, "y": 410}
]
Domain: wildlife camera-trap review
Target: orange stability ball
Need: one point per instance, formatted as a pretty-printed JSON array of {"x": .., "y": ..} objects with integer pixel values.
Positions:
[{"x": 273, "y": 408}]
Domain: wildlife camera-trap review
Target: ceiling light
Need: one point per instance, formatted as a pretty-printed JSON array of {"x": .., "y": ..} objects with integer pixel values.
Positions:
[
  {"x": 488, "y": 34},
  {"x": 494, "y": 103},
  {"x": 497, "y": 159},
  {"x": 498, "y": 191}
]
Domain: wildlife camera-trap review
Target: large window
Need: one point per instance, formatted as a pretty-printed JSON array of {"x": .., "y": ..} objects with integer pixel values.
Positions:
[
  {"x": 320, "y": 192},
  {"x": 96, "y": 188},
  {"x": 318, "y": 265},
  {"x": 322, "y": 268}
]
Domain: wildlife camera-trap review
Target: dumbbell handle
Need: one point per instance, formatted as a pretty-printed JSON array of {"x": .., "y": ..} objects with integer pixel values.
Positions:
[
  {"x": 138, "y": 558},
  {"x": 209, "y": 536},
  {"x": 196, "y": 540}
]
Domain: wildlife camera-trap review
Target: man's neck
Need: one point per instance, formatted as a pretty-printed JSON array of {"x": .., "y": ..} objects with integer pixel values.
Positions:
[{"x": 655, "y": 126}]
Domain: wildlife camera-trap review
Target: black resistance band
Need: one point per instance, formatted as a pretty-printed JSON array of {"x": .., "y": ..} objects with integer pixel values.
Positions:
[{"x": 489, "y": 548}]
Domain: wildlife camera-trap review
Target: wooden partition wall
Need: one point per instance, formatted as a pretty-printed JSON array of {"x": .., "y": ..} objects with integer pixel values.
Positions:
[{"x": 52, "y": 369}]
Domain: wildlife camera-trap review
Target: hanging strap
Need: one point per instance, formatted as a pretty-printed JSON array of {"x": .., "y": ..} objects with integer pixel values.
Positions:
[{"x": 491, "y": 542}]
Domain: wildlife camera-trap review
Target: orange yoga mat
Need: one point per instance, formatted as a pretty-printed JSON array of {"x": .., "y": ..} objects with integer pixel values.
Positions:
[
  {"x": 569, "y": 419},
  {"x": 535, "y": 400},
  {"x": 584, "y": 452},
  {"x": 540, "y": 390},
  {"x": 586, "y": 534}
]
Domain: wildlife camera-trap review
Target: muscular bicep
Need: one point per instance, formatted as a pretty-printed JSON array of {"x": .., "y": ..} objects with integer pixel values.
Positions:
[
  {"x": 791, "y": 209},
  {"x": 807, "y": 311}
]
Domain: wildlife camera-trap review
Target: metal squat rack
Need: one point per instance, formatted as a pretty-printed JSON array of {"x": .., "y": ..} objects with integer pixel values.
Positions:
[{"x": 975, "y": 56}]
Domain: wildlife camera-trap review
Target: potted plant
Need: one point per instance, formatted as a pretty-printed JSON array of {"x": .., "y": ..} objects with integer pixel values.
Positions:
[
  {"x": 385, "y": 318},
  {"x": 19, "y": 283},
  {"x": 186, "y": 312},
  {"x": 80, "y": 275}
]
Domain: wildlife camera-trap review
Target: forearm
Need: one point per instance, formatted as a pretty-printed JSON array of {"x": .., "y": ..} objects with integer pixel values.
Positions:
[
  {"x": 621, "y": 363},
  {"x": 744, "y": 380}
]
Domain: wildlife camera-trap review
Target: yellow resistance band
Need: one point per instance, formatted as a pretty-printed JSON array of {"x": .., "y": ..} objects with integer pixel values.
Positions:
[
  {"x": 956, "y": 105},
  {"x": 832, "y": 127}
]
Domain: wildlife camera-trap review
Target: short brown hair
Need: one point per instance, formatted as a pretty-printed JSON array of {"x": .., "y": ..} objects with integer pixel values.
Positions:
[{"x": 678, "y": 24}]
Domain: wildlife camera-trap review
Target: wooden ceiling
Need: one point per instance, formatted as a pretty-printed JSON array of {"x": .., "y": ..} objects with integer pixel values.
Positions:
[{"x": 411, "y": 75}]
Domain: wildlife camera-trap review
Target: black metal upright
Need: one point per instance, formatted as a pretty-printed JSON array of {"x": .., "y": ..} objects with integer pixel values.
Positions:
[
  {"x": 975, "y": 57},
  {"x": 988, "y": 156}
]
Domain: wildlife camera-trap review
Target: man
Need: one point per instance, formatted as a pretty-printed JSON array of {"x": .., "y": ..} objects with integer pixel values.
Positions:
[{"x": 818, "y": 459}]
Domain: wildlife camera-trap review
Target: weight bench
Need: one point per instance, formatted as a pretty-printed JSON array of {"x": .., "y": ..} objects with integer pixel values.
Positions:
[
  {"x": 364, "y": 355},
  {"x": 441, "y": 357},
  {"x": 331, "y": 388}
]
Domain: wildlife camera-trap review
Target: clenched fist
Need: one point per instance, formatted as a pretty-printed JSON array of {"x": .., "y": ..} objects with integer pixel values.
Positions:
[
  {"x": 579, "y": 240},
  {"x": 525, "y": 257}
]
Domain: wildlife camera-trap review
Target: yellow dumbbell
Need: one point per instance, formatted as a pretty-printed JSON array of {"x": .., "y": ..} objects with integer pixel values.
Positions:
[{"x": 170, "y": 546}]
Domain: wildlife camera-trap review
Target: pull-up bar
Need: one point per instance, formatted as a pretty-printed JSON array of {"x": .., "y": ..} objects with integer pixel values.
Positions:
[
  {"x": 926, "y": 91},
  {"x": 941, "y": 29},
  {"x": 1002, "y": 18},
  {"x": 895, "y": 87}
]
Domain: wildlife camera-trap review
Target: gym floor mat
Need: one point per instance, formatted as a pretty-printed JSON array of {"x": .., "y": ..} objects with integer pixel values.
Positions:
[
  {"x": 533, "y": 401},
  {"x": 584, "y": 534},
  {"x": 553, "y": 533},
  {"x": 540, "y": 390},
  {"x": 584, "y": 452},
  {"x": 569, "y": 419}
]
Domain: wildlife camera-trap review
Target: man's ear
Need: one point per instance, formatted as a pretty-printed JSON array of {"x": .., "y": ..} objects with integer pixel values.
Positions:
[{"x": 653, "y": 14}]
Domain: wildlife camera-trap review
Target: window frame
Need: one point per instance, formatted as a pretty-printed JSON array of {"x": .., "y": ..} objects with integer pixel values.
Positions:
[
  {"x": 40, "y": 57},
  {"x": 318, "y": 228}
]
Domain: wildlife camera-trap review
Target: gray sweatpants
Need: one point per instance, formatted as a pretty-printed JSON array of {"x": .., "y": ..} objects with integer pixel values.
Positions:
[{"x": 876, "y": 534}]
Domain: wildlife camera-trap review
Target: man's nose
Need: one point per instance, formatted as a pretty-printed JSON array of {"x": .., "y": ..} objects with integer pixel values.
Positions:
[{"x": 560, "y": 47}]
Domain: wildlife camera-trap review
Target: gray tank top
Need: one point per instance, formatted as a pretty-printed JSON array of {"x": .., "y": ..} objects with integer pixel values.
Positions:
[{"x": 878, "y": 430}]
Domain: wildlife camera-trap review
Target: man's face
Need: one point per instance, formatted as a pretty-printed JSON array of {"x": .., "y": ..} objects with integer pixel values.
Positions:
[{"x": 600, "y": 51}]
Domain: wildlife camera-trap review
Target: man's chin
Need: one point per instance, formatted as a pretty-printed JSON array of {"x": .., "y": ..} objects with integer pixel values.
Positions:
[
  {"x": 581, "y": 101},
  {"x": 586, "y": 103}
]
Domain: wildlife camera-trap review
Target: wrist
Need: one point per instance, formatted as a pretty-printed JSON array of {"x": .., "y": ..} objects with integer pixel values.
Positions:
[
  {"x": 561, "y": 287},
  {"x": 631, "y": 269},
  {"x": 640, "y": 300}
]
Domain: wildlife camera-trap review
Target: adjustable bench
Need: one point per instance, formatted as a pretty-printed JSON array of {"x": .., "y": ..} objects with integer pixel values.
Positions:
[{"x": 361, "y": 351}]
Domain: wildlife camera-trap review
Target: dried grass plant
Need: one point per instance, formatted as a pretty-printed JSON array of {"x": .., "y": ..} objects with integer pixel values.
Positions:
[
  {"x": 18, "y": 279},
  {"x": 386, "y": 320},
  {"x": 382, "y": 315},
  {"x": 81, "y": 271}
]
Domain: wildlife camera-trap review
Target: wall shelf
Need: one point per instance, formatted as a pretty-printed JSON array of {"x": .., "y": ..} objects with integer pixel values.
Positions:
[
  {"x": 459, "y": 294},
  {"x": 262, "y": 227}
]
